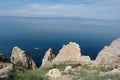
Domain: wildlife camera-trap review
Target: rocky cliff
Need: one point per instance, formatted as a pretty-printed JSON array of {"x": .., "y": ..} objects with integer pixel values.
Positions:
[{"x": 110, "y": 55}]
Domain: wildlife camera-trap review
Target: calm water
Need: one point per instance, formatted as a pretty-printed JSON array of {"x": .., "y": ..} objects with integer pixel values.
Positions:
[{"x": 44, "y": 33}]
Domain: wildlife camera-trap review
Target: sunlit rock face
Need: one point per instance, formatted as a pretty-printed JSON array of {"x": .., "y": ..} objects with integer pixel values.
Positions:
[
  {"x": 48, "y": 58},
  {"x": 20, "y": 57},
  {"x": 110, "y": 55},
  {"x": 69, "y": 52}
]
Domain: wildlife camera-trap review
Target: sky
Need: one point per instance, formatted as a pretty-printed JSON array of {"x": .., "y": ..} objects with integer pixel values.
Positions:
[{"x": 97, "y": 9}]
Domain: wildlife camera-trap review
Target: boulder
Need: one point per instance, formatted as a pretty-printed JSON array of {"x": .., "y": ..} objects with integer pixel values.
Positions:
[
  {"x": 68, "y": 68},
  {"x": 69, "y": 52},
  {"x": 20, "y": 57},
  {"x": 6, "y": 68},
  {"x": 110, "y": 55},
  {"x": 54, "y": 73},
  {"x": 48, "y": 58},
  {"x": 3, "y": 58}
]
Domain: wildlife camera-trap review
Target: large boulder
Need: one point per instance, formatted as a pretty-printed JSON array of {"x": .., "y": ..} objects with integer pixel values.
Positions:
[
  {"x": 6, "y": 68},
  {"x": 48, "y": 58},
  {"x": 20, "y": 57},
  {"x": 110, "y": 55},
  {"x": 69, "y": 52}
]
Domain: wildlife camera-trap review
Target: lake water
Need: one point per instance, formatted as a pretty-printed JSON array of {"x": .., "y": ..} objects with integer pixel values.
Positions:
[{"x": 44, "y": 33}]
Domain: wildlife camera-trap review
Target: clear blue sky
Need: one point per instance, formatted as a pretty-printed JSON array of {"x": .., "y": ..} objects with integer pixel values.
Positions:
[{"x": 99, "y": 9}]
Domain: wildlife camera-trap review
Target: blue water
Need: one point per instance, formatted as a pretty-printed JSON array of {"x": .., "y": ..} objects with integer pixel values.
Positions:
[{"x": 27, "y": 33}]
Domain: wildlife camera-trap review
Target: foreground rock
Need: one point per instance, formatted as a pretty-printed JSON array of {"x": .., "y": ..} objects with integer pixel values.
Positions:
[
  {"x": 68, "y": 68},
  {"x": 6, "y": 68},
  {"x": 113, "y": 72},
  {"x": 3, "y": 58},
  {"x": 20, "y": 57},
  {"x": 48, "y": 58},
  {"x": 54, "y": 73},
  {"x": 110, "y": 55},
  {"x": 69, "y": 52}
]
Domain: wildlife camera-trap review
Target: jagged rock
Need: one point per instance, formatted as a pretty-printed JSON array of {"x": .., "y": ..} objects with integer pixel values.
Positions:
[
  {"x": 48, "y": 58},
  {"x": 68, "y": 68},
  {"x": 3, "y": 58},
  {"x": 69, "y": 52},
  {"x": 6, "y": 68},
  {"x": 110, "y": 55},
  {"x": 20, "y": 57},
  {"x": 54, "y": 73}
]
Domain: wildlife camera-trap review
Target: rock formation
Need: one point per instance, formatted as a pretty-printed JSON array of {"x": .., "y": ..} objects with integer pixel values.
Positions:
[
  {"x": 113, "y": 72},
  {"x": 6, "y": 68},
  {"x": 48, "y": 58},
  {"x": 20, "y": 57},
  {"x": 110, "y": 55},
  {"x": 3, "y": 58},
  {"x": 69, "y": 52}
]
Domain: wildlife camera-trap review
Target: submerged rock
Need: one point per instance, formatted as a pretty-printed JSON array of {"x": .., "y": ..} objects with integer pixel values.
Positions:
[
  {"x": 69, "y": 52},
  {"x": 110, "y": 55},
  {"x": 48, "y": 58},
  {"x": 20, "y": 57}
]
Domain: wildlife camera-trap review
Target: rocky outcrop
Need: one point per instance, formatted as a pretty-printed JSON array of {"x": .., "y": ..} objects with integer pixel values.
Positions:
[
  {"x": 6, "y": 68},
  {"x": 69, "y": 52},
  {"x": 54, "y": 73},
  {"x": 20, "y": 57},
  {"x": 3, "y": 58},
  {"x": 48, "y": 58},
  {"x": 110, "y": 55}
]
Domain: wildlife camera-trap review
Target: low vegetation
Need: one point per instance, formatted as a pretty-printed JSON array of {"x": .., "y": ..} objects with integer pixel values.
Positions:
[{"x": 79, "y": 71}]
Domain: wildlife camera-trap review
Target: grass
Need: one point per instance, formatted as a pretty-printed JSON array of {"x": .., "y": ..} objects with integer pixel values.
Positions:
[
  {"x": 107, "y": 77},
  {"x": 84, "y": 72}
]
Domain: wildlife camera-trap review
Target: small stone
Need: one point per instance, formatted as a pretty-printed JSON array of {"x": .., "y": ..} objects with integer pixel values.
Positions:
[
  {"x": 54, "y": 73},
  {"x": 68, "y": 68}
]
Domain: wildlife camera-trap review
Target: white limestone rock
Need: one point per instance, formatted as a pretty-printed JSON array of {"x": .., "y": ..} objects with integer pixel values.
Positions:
[
  {"x": 19, "y": 56},
  {"x": 69, "y": 52},
  {"x": 110, "y": 55},
  {"x": 48, "y": 58}
]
